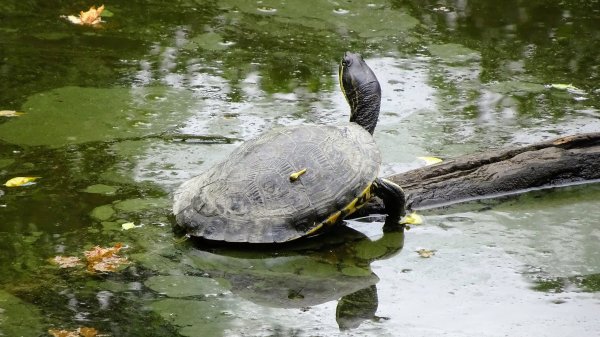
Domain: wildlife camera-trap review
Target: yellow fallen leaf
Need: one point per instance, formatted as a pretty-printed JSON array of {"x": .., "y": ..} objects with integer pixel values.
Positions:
[
  {"x": 561, "y": 86},
  {"x": 430, "y": 160},
  {"x": 20, "y": 181},
  {"x": 412, "y": 219},
  {"x": 10, "y": 113},
  {"x": 91, "y": 17},
  {"x": 567, "y": 87},
  {"x": 128, "y": 225},
  {"x": 66, "y": 261}
]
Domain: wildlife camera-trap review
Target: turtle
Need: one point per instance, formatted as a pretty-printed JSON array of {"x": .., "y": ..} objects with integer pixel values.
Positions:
[{"x": 294, "y": 181}]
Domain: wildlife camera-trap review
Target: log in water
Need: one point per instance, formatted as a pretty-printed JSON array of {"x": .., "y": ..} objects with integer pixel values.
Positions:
[{"x": 561, "y": 162}]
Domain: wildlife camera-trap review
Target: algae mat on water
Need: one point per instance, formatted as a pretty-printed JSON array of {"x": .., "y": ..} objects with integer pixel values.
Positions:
[
  {"x": 369, "y": 20},
  {"x": 18, "y": 318},
  {"x": 75, "y": 115}
]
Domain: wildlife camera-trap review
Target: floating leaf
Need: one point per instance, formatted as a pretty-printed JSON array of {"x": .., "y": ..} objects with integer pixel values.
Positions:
[
  {"x": 87, "y": 332},
  {"x": 412, "y": 219},
  {"x": 66, "y": 261},
  {"x": 10, "y": 113},
  {"x": 91, "y": 17},
  {"x": 98, "y": 259},
  {"x": 20, "y": 181},
  {"x": 108, "y": 264},
  {"x": 128, "y": 225},
  {"x": 426, "y": 253},
  {"x": 430, "y": 160},
  {"x": 568, "y": 87},
  {"x": 104, "y": 259},
  {"x": 560, "y": 86}
]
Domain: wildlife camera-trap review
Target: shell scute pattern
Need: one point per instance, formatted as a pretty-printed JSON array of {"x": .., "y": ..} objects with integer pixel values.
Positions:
[{"x": 249, "y": 197}]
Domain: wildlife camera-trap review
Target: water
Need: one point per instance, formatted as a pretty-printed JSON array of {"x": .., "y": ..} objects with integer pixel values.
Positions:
[{"x": 118, "y": 116}]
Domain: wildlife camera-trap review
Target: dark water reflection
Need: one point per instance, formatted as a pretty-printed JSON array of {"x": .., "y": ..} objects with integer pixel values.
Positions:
[
  {"x": 104, "y": 108},
  {"x": 556, "y": 41},
  {"x": 333, "y": 267}
]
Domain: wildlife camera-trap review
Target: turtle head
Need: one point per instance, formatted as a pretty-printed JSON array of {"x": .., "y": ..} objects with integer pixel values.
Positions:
[{"x": 362, "y": 90}]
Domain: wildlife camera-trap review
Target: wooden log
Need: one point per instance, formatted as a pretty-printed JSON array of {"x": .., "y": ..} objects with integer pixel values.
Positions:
[{"x": 561, "y": 162}]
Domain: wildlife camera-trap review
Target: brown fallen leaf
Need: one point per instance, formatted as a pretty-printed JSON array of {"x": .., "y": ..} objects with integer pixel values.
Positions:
[
  {"x": 87, "y": 332},
  {"x": 80, "y": 332},
  {"x": 66, "y": 261},
  {"x": 104, "y": 259},
  {"x": 109, "y": 264},
  {"x": 91, "y": 17},
  {"x": 63, "y": 333}
]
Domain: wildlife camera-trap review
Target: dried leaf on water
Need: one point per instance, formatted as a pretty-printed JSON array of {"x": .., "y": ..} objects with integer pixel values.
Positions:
[
  {"x": 21, "y": 181},
  {"x": 10, "y": 113},
  {"x": 87, "y": 332},
  {"x": 98, "y": 259},
  {"x": 63, "y": 333},
  {"x": 426, "y": 253},
  {"x": 66, "y": 261},
  {"x": 92, "y": 17},
  {"x": 80, "y": 332},
  {"x": 104, "y": 259}
]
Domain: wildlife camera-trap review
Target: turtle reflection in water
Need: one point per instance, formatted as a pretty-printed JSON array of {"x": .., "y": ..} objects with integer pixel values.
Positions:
[
  {"x": 296, "y": 181},
  {"x": 331, "y": 267}
]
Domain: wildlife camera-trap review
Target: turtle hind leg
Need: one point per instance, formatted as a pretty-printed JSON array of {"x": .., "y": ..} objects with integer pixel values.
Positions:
[{"x": 393, "y": 198}]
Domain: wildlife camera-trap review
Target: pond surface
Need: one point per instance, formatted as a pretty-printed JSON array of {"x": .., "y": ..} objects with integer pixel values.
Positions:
[{"x": 117, "y": 116}]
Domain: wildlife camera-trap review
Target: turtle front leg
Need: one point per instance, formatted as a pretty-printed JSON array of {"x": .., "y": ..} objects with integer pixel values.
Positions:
[{"x": 393, "y": 198}]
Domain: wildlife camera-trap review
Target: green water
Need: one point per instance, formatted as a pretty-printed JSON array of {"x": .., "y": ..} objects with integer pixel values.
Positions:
[{"x": 119, "y": 115}]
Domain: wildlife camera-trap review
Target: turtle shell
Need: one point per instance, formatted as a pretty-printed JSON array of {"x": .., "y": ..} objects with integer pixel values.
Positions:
[{"x": 250, "y": 196}]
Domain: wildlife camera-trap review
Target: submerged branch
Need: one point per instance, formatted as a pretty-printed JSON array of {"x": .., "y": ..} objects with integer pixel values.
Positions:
[{"x": 187, "y": 138}]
